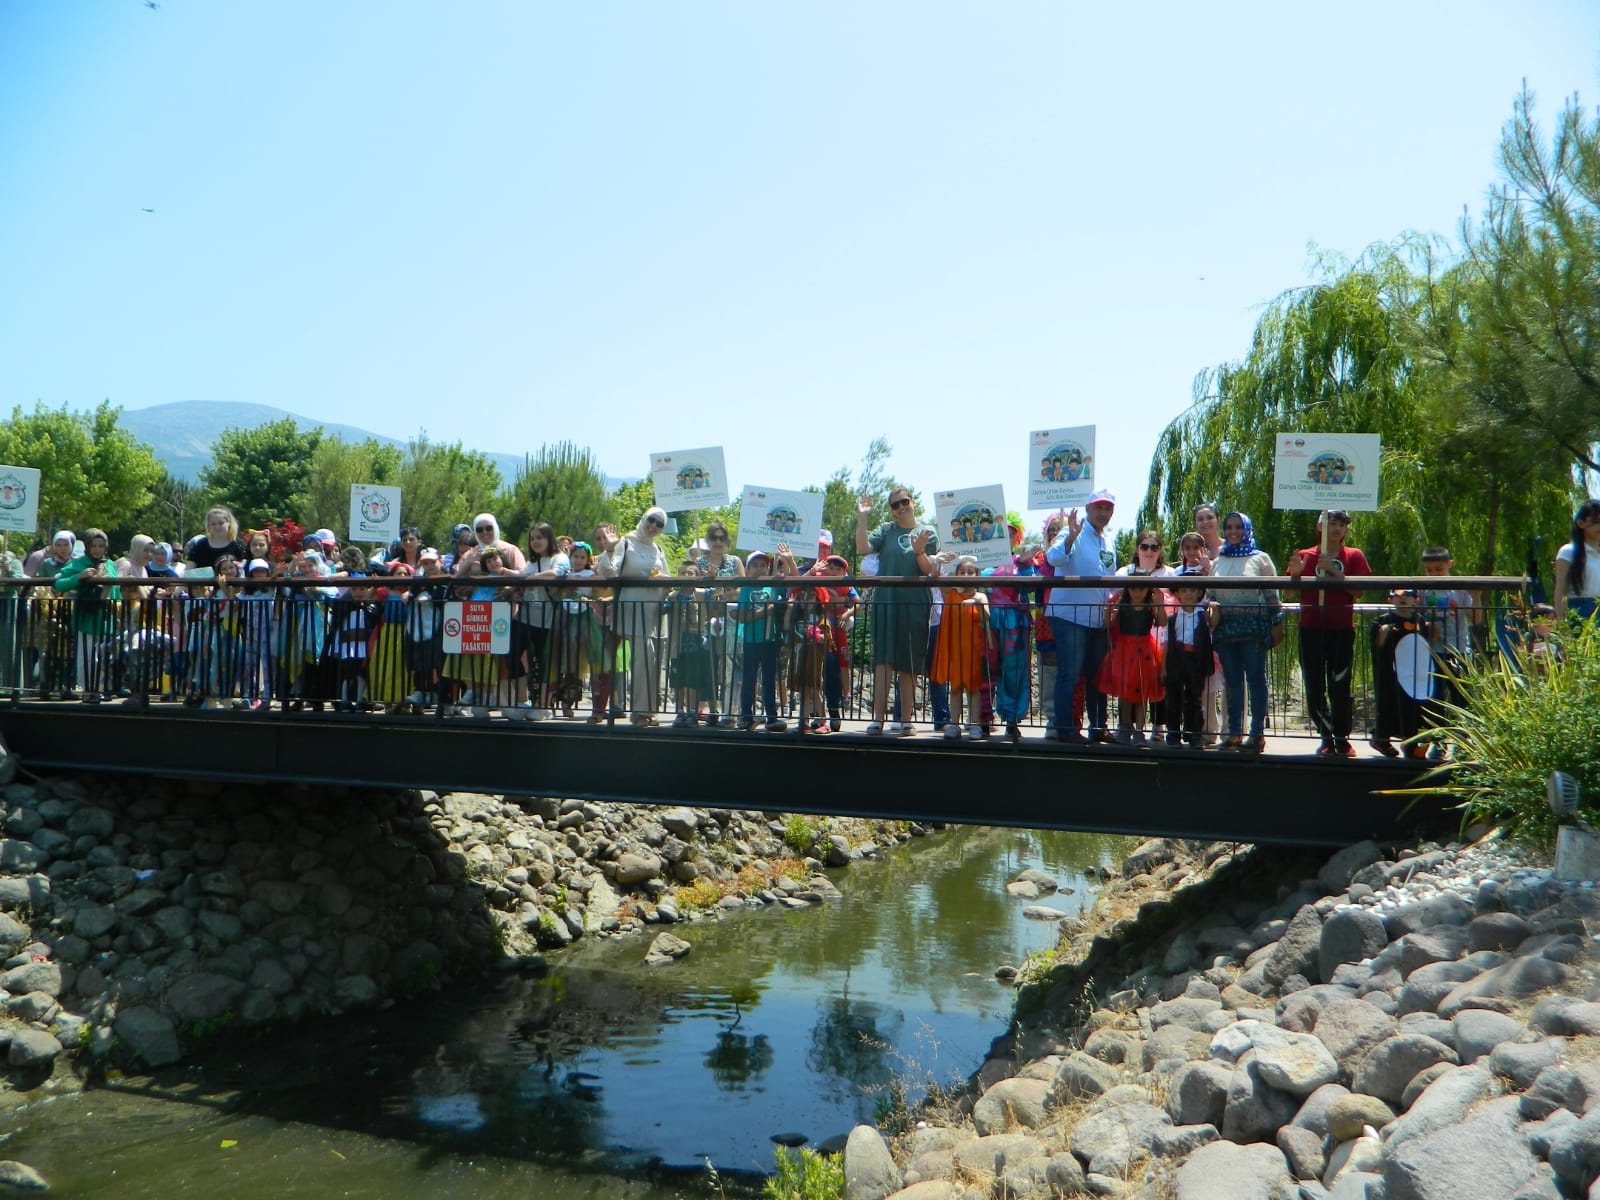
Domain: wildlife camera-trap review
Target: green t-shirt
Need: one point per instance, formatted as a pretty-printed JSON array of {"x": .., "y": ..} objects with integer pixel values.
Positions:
[
  {"x": 897, "y": 560},
  {"x": 757, "y": 627}
]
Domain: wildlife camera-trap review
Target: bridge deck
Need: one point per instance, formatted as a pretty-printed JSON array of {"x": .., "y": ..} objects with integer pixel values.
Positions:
[{"x": 1285, "y": 796}]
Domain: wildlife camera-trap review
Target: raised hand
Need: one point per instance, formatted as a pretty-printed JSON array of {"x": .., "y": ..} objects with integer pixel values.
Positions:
[
  {"x": 1074, "y": 522},
  {"x": 863, "y": 505},
  {"x": 919, "y": 543}
]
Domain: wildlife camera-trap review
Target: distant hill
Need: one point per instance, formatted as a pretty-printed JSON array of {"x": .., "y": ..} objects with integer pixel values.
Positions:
[{"x": 183, "y": 433}]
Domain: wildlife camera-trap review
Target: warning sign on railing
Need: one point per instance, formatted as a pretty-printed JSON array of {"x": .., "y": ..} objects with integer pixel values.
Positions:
[{"x": 477, "y": 627}]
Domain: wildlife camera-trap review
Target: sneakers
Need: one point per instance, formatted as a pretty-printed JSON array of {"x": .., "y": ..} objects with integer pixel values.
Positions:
[
  {"x": 777, "y": 725},
  {"x": 683, "y": 720},
  {"x": 874, "y": 729},
  {"x": 1013, "y": 731},
  {"x": 1137, "y": 738},
  {"x": 899, "y": 729},
  {"x": 1343, "y": 749},
  {"x": 1326, "y": 749},
  {"x": 539, "y": 714},
  {"x": 1384, "y": 747},
  {"x": 745, "y": 725},
  {"x": 952, "y": 732},
  {"x": 977, "y": 732}
]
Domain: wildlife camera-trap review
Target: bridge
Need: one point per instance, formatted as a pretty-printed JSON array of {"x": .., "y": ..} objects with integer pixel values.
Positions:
[{"x": 1288, "y": 795}]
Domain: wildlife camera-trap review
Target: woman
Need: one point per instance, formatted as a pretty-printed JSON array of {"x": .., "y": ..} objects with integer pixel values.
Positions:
[
  {"x": 1245, "y": 624},
  {"x": 163, "y": 562},
  {"x": 717, "y": 563},
  {"x": 1207, "y": 526},
  {"x": 220, "y": 538},
  {"x": 408, "y": 550},
  {"x": 486, "y": 534},
  {"x": 636, "y": 612},
  {"x": 1578, "y": 564},
  {"x": 461, "y": 540},
  {"x": 603, "y": 606},
  {"x": 94, "y": 608},
  {"x": 536, "y": 617}
]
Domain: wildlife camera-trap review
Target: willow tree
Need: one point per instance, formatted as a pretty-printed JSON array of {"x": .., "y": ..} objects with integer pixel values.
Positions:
[{"x": 1327, "y": 358}]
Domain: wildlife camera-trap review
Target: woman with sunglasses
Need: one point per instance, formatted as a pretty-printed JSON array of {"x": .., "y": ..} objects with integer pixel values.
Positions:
[
  {"x": 905, "y": 549},
  {"x": 718, "y": 563},
  {"x": 636, "y": 611},
  {"x": 486, "y": 535}
]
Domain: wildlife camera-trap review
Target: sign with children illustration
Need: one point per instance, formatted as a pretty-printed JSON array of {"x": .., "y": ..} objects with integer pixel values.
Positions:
[
  {"x": 1326, "y": 470},
  {"x": 374, "y": 513},
  {"x": 973, "y": 521},
  {"x": 770, "y": 516},
  {"x": 688, "y": 479},
  {"x": 477, "y": 627},
  {"x": 1060, "y": 467},
  {"x": 19, "y": 499}
]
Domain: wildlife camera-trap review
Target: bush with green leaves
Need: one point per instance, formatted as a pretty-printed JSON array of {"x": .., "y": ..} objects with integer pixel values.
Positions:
[
  {"x": 805, "y": 1175},
  {"x": 799, "y": 834},
  {"x": 1520, "y": 718}
]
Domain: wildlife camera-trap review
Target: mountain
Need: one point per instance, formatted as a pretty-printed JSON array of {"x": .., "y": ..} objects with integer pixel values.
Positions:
[{"x": 183, "y": 433}]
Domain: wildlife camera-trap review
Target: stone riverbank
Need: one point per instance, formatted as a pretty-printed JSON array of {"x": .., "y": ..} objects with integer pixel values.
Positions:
[
  {"x": 1266, "y": 1026},
  {"x": 140, "y": 918}
]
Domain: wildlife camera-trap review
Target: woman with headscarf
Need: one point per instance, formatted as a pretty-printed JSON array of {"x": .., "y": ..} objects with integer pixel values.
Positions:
[
  {"x": 461, "y": 540},
  {"x": 94, "y": 607},
  {"x": 636, "y": 611},
  {"x": 486, "y": 533},
  {"x": 1245, "y": 624}
]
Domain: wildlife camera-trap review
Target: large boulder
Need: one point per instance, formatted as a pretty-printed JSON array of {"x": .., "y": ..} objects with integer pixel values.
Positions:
[
  {"x": 1079, "y": 1076},
  {"x": 1349, "y": 1115},
  {"x": 148, "y": 1035},
  {"x": 1198, "y": 1093},
  {"x": 1296, "y": 951},
  {"x": 1349, "y": 935},
  {"x": 202, "y": 996},
  {"x": 869, "y": 1170},
  {"x": 1255, "y": 1109},
  {"x": 1339, "y": 870},
  {"x": 1107, "y": 1142},
  {"x": 1224, "y": 1171},
  {"x": 1478, "y": 1032},
  {"x": 1515, "y": 980},
  {"x": 1485, "y": 1155},
  {"x": 1010, "y": 1103},
  {"x": 1391, "y": 1065},
  {"x": 1446, "y": 1101},
  {"x": 1350, "y": 1028},
  {"x": 1296, "y": 1063}
]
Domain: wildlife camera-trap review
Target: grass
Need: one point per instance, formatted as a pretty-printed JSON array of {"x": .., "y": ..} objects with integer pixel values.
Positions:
[
  {"x": 704, "y": 892},
  {"x": 1519, "y": 720},
  {"x": 800, "y": 834}
]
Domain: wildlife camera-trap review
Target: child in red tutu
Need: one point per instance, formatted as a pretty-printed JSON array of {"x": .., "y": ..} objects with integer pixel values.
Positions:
[{"x": 1131, "y": 670}]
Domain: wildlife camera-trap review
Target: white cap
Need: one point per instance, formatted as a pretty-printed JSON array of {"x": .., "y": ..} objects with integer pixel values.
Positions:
[
  {"x": 258, "y": 564},
  {"x": 1103, "y": 496}
]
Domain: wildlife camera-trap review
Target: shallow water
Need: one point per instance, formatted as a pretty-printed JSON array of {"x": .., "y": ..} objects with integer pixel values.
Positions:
[{"x": 598, "y": 1076}]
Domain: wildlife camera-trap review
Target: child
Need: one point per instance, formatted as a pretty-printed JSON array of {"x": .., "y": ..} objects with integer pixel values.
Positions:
[
  {"x": 1399, "y": 713},
  {"x": 961, "y": 649},
  {"x": 1189, "y": 664},
  {"x": 424, "y": 631},
  {"x": 840, "y": 608},
  {"x": 689, "y": 673},
  {"x": 761, "y": 636},
  {"x": 255, "y": 612},
  {"x": 302, "y": 633},
  {"x": 388, "y": 670},
  {"x": 1541, "y": 647},
  {"x": 355, "y": 628},
  {"x": 1131, "y": 670}
]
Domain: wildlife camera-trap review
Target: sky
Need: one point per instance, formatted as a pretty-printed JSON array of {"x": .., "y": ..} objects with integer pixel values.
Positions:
[{"x": 784, "y": 229}]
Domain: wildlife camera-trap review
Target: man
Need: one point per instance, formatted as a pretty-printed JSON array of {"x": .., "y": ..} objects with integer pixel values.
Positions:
[
  {"x": 905, "y": 550},
  {"x": 1328, "y": 631},
  {"x": 1078, "y": 615}
]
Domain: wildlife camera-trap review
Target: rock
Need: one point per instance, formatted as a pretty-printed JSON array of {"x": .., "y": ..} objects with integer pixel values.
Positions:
[
  {"x": 634, "y": 868},
  {"x": 1173, "y": 1041},
  {"x": 1043, "y": 912},
  {"x": 1022, "y": 889},
  {"x": 1485, "y": 1155},
  {"x": 33, "y": 1006},
  {"x": 1107, "y": 1142},
  {"x": 1079, "y": 1076},
  {"x": 1438, "y": 943},
  {"x": 1339, "y": 870},
  {"x": 1064, "y": 1176},
  {"x": 1189, "y": 1013},
  {"x": 1446, "y": 1101},
  {"x": 25, "y": 893},
  {"x": 1009, "y": 1103},
  {"x": 13, "y": 934},
  {"x": 1296, "y": 951},
  {"x": 1350, "y": 1028},
  {"x": 869, "y": 1170},
  {"x": 1255, "y": 1109},
  {"x": 1521, "y": 1062},
  {"x": 1349, "y": 1114},
  {"x": 1361, "y": 1155},
  {"x": 680, "y": 822},
  {"x": 1224, "y": 1171},
  {"x": 1478, "y": 1032},
  {"x": 89, "y": 821},
  {"x": 1349, "y": 935},
  {"x": 17, "y": 856},
  {"x": 32, "y": 1048},
  {"x": 1447, "y": 908},
  {"x": 1299, "y": 1012},
  {"x": 1515, "y": 980},
  {"x": 1429, "y": 1025},
  {"x": 148, "y": 1035},
  {"x": 203, "y": 996},
  {"x": 1198, "y": 1093},
  {"x": 1421, "y": 1082},
  {"x": 1303, "y": 1150},
  {"x": 20, "y": 1177},
  {"x": 1112, "y": 1046},
  {"x": 1175, "y": 1141},
  {"x": 33, "y": 977},
  {"x": 1564, "y": 1016},
  {"x": 1296, "y": 1063},
  {"x": 1541, "y": 1135},
  {"x": 1497, "y": 931},
  {"x": 1575, "y": 1151},
  {"x": 986, "y": 1157},
  {"x": 667, "y": 947},
  {"x": 1153, "y": 853},
  {"x": 1313, "y": 1114},
  {"x": 1391, "y": 1065},
  {"x": 1555, "y": 1087},
  {"x": 92, "y": 920}
]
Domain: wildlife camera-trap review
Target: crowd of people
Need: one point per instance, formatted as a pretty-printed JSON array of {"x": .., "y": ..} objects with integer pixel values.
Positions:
[{"x": 1164, "y": 657}]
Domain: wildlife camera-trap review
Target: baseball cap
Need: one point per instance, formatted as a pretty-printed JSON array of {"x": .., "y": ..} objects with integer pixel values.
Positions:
[
  {"x": 824, "y": 537},
  {"x": 1103, "y": 496},
  {"x": 258, "y": 564}
]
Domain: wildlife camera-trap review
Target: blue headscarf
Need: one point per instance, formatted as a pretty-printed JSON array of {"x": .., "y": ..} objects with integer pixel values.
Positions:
[{"x": 1247, "y": 544}]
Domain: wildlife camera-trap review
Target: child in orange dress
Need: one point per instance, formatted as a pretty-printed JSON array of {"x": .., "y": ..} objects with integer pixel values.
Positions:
[
  {"x": 1131, "y": 670},
  {"x": 961, "y": 649}
]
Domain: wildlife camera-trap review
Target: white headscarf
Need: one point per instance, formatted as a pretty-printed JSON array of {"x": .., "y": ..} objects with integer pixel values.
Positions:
[{"x": 480, "y": 519}]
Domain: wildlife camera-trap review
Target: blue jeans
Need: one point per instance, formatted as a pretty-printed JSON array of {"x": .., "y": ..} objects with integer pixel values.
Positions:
[
  {"x": 1079, "y": 652},
  {"x": 1244, "y": 662}
]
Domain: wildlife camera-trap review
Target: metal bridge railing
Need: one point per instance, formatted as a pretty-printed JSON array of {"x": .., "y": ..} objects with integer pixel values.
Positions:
[{"x": 788, "y": 655}]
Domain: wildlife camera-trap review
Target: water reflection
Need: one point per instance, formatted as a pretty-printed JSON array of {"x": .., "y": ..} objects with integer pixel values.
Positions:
[{"x": 776, "y": 1023}]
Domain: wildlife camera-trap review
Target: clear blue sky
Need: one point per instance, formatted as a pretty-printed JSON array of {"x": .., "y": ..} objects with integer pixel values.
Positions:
[{"x": 784, "y": 228}]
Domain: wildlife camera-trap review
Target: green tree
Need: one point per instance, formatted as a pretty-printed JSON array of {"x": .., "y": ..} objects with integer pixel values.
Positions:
[
  {"x": 336, "y": 465},
  {"x": 174, "y": 512},
  {"x": 561, "y": 484},
  {"x": 92, "y": 471},
  {"x": 444, "y": 485},
  {"x": 263, "y": 473}
]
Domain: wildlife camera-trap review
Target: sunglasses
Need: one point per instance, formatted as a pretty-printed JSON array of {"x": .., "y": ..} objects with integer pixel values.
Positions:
[
  {"x": 1150, "y": 545},
  {"x": 717, "y": 537},
  {"x": 655, "y": 522},
  {"x": 485, "y": 528},
  {"x": 900, "y": 503}
]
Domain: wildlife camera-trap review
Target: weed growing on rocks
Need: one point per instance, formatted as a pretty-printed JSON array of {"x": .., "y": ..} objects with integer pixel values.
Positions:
[{"x": 805, "y": 1175}]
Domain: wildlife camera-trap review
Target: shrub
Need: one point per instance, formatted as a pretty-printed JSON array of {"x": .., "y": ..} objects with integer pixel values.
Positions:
[
  {"x": 799, "y": 834},
  {"x": 805, "y": 1175},
  {"x": 1514, "y": 726}
]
